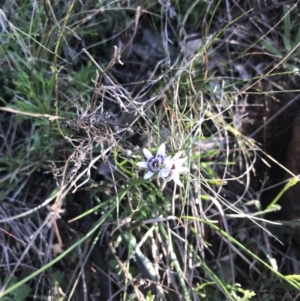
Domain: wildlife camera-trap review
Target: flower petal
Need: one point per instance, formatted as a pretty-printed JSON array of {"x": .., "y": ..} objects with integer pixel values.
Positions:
[
  {"x": 147, "y": 154},
  {"x": 177, "y": 180},
  {"x": 167, "y": 160},
  {"x": 179, "y": 161},
  {"x": 182, "y": 170},
  {"x": 178, "y": 155},
  {"x": 142, "y": 164},
  {"x": 168, "y": 163},
  {"x": 163, "y": 173},
  {"x": 161, "y": 150},
  {"x": 148, "y": 175}
]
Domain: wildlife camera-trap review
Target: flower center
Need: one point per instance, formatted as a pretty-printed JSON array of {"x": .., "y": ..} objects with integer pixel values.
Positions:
[{"x": 154, "y": 164}]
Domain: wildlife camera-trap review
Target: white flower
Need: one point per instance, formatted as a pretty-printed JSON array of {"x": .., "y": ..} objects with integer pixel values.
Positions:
[
  {"x": 172, "y": 169},
  {"x": 153, "y": 164},
  {"x": 168, "y": 168}
]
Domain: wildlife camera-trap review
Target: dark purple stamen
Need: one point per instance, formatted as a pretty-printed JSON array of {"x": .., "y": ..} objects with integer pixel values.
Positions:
[{"x": 161, "y": 158}]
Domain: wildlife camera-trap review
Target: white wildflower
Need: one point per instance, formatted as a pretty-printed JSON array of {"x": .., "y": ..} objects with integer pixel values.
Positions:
[
  {"x": 173, "y": 168},
  {"x": 168, "y": 168},
  {"x": 153, "y": 164}
]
